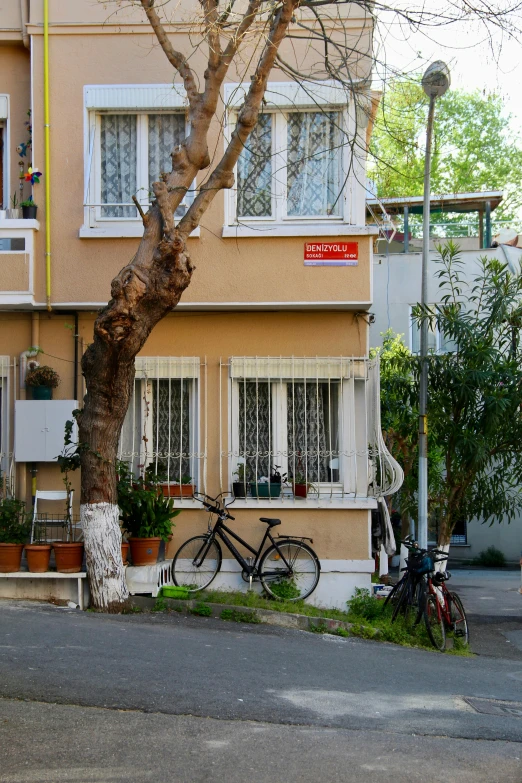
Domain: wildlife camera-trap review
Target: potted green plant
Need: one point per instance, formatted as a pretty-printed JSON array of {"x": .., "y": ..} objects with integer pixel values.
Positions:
[
  {"x": 184, "y": 488},
  {"x": 14, "y": 529},
  {"x": 301, "y": 486},
  {"x": 38, "y": 553},
  {"x": 268, "y": 489},
  {"x": 171, "y": 487},
  {"x": 146, "y": 514},
  {"x": 14, "y": 213},
  {"x": 239, "y": 487},
  {"x": 29, "y": 209},
  {"x": 42, "y": 380}
]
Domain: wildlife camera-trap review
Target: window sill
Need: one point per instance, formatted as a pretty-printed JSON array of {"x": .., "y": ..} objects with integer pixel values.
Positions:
[
  {"x": 114, "y": 232},
  {"x": 19, "y": 223},
  {"x": 326, "y": 229},
  {"x": 289, "y": 502}
]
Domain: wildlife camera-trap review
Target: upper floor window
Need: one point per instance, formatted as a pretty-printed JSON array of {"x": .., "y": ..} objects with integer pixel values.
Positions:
[
  {"x": 132, "y": 152},
  {"x": 302, "y": 166},
  {"x": 131, "y": 132},
  {"x": 291, "y": 167}
]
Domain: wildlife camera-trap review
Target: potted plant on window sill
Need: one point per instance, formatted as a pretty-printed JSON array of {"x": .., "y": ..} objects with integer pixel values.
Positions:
[
  {"x": 14, "y": 213},
  {"x": 239, "y": 487},
  {"x": 42, "y": 380},
  {"x": 29, "y": 209},
  {"x": 268, "y": 489},
  {"x": 14, "y": 529},
  {"x": 146, "y": 514},
  {"x": 184, "y": 488},
  {"x": 301, "y": 487}
]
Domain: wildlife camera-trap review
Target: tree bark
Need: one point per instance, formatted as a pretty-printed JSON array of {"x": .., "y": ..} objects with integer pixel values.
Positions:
[{"x": 151, "y": 285}]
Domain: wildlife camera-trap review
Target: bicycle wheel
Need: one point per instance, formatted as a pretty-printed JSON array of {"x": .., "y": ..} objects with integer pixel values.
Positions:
[
  {"x": 292, "y": 582},
  {"x": 393, "y": 595},
  {"x": 435, "y": 626},
  {"x": 186, "y": 572},
  {"x": 406, "y": 602},
  {"x": 458, "y": 619}
]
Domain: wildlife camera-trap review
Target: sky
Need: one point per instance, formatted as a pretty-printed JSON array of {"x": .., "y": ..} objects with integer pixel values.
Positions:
[{"x": 478, "y": 57}]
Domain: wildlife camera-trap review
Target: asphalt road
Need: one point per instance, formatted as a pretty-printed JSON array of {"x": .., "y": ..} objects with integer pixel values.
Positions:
[{"x": 226, "y": 701}]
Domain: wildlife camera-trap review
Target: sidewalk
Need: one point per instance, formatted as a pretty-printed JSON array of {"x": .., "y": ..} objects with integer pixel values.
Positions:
[{"x": 494, "y": 607}]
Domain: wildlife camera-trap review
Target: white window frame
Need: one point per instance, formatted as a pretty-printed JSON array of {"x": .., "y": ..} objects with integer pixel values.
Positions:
[
  {"x": 139, "y": 100},
  {"x": 148, "y": 370},
  {"x": 5, "y": 408},
  {"x": 280, "y": 372},
  {"x": 283, "y": 98}
]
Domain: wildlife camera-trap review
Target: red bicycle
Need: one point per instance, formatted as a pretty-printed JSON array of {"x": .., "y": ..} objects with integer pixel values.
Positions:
[{"x": 443, "y": 611}]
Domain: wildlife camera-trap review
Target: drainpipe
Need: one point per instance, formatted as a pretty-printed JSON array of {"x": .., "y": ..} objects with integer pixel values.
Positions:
[
  {"x": 47, "y": 145},
  {"x": 24, "y": 17}
]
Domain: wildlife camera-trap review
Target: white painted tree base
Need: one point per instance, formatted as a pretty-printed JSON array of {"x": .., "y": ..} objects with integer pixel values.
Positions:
[{"x": 102, "y": 537}]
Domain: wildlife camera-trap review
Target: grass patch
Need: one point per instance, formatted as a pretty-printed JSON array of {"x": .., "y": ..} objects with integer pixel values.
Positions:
[
  {"x": 236, "y": 616},
  {"x": 258, "y": 601},
  {"x": 201, "y": 609},
  {"x": 371, "y": 619},
  {"x": 160, "y": 605}
]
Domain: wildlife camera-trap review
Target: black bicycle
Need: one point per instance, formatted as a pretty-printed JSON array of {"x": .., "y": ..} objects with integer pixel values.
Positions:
[{"x": 288, "y": 569}]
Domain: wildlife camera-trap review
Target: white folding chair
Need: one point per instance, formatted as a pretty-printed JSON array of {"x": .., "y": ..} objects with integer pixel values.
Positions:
[{"x": 44, "y": 494}]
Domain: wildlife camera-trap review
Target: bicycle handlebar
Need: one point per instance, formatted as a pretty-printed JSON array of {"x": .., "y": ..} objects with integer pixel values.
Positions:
[{"x": 218, "y": 507}]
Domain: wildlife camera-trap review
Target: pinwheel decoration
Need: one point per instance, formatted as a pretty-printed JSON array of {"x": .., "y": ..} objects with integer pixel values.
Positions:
[{"x": 32, "y": 176}]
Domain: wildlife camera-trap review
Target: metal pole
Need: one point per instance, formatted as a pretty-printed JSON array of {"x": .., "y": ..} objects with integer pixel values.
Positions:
[
  {"x": 423, "y": 396},
  {"x": 406, "y": 230},
  {"x": 487, "y": 240}
]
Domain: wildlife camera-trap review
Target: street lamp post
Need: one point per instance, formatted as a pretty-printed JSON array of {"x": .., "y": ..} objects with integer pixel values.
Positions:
[{"x": 435, "y": 82}]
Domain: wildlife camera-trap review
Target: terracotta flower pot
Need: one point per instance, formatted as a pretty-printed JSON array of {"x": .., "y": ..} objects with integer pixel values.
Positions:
[
  {"x": 38, "y": 556},
  {"x": 178, "y": 490},
  {"x": 125, "y": 551},
  {"x": 144, "y": 551},
  {"x": 69, "y": 557},
  {"x": 10, "y": 557}
]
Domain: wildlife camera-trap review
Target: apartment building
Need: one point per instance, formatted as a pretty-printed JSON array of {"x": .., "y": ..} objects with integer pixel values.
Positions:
[{"x": 264, "y": 363}]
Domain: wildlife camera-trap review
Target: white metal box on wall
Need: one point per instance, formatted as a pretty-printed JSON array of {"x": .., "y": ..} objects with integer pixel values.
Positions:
[{"x": 40, "y": 428}]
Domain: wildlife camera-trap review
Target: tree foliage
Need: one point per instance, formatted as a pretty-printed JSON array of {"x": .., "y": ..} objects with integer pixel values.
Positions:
[
  {"x": 474, "y": 395},
  {"x": 475, "y": 145}
]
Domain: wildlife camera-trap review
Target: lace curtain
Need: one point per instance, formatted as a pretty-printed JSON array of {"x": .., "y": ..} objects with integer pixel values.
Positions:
[
  {"x": 255, "y": 423},
  {"x": 171, "y": 427},
  {"x": 312, "y": 430},
  {"x": 314, "y": 163},
  {"x": 118, "y": 164},
  {"x": 254, "y": 172},
  {"x": 166, "y": 131}
]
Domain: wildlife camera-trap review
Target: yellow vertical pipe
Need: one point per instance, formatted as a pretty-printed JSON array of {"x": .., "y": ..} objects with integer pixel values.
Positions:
[{"x": 47, "y": 146}]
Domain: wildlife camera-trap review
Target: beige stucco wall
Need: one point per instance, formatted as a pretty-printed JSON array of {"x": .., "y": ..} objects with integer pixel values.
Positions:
[
  {"x": 15, "y": 76},
  {"x": 14, "y": 272},
  {"x": 337, "y": 535},
  {"x": 228, "y": 270}
]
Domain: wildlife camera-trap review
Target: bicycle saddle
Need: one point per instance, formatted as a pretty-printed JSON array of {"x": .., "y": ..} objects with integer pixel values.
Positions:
[{"x": 271, "y": 522}]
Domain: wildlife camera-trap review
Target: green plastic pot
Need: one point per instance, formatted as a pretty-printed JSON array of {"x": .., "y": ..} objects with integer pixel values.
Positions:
[
  {"x": 42, "y": 392},
  {"x": 265, "y": 490}
]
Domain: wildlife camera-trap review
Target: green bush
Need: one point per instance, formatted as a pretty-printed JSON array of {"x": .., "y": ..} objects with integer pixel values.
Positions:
[
  {"x": 363, "y": 605},
  {"x": 236, "y": 616},
  {"x": 14, "y": 523},
  {"x": 201, "y": 609},
  {"x": 490, "y": 558},
  {"x": 144, "y": 511}
]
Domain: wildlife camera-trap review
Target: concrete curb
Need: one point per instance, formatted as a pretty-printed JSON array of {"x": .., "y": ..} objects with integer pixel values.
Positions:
[{"x": 247, "y": 614}]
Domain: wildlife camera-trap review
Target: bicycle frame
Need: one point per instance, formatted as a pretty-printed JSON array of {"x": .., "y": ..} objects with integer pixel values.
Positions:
[
  {"x": 221, "y": 530},
  {"x": 443, "y": 598}
]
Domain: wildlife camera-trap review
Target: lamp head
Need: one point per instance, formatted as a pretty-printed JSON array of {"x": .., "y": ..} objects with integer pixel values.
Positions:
[{"x": 436, "y": 79}]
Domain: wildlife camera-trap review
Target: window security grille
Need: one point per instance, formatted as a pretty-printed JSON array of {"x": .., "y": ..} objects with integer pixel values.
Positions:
[
  {"x": 291, "y": 166},
  {"x": 163, "y": 428},
  {"x": 310, "y": 418}
]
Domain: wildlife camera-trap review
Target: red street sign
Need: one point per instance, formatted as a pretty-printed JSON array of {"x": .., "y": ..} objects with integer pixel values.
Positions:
[{"x": 331, "y": 253}]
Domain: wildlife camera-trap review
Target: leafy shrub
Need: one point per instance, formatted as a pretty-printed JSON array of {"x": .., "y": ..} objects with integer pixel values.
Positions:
[
  {"x": 42, "y": 376},
  {"x": 14, "y": 523},
  {"x": 490, "y": 558},
  {"x": 363, "y": 605},
  {"x": 144, "y": 511},
  {"x": 201, "y": 609},
  {"x": 239, "y": 617},
  {"x": 285, "y": 589}
]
